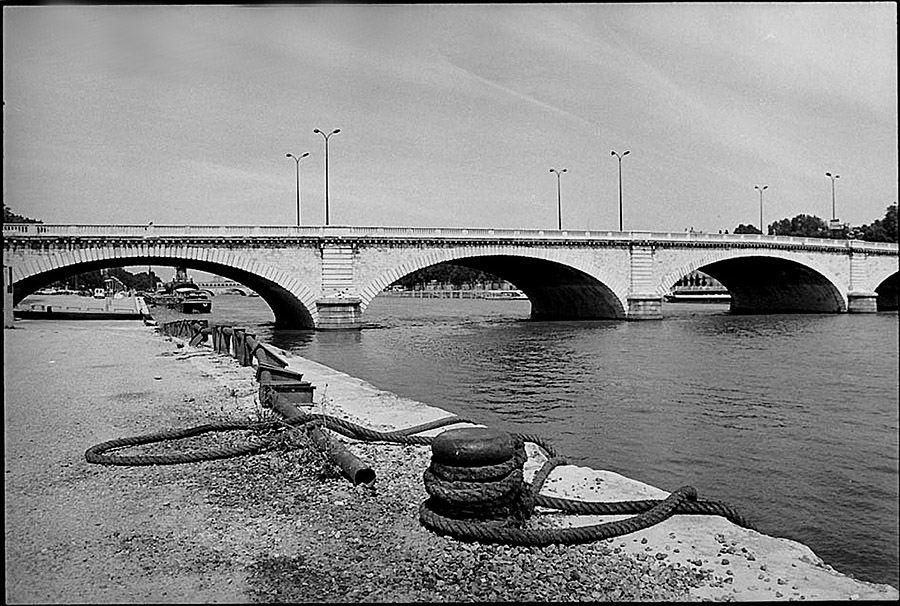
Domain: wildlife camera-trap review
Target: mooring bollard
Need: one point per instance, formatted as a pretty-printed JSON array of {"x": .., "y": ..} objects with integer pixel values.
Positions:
[
  {"x": 225, "y": 340},
  {"x": 249, "y": 349},
  {"x": 237, "y": 339},
  {"x": 476, "y": 473}
]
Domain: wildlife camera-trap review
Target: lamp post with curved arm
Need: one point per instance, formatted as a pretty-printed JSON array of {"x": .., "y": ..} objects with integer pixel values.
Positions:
[
  {"x": 558, "y": 198},
  {"x": 832, "y": 177},
  {"x": 757, "y": 187},
  {"x": 297, "y": 160},
  {"x": 620, "y": 183},
  {"x": 326, "y": 137}
]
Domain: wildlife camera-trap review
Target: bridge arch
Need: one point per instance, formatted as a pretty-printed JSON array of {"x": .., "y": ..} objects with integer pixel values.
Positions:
[
  {"x": 557, "y": 286},
  {"x": 888, "y": 291},
  {"x": 879, "y": 277},
  {"x": 766, "y": 281},
  {"x": 292, "y": 303}
]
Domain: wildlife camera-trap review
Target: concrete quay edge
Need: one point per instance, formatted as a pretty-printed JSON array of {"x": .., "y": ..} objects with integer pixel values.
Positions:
[{"x": 745, "y": 565}]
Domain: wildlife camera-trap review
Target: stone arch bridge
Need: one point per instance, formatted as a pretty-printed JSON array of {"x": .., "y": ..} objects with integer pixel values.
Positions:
[{"x": 324, "y": 277}]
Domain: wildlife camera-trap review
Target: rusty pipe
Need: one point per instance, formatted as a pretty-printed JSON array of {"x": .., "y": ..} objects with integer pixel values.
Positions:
[{"x": 351, "y": 467}]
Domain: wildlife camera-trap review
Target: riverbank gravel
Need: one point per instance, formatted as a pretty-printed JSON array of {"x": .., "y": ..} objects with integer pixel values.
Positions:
[
  {"x": 282, "y": 526},
  {"x": 366, "y": 544}
]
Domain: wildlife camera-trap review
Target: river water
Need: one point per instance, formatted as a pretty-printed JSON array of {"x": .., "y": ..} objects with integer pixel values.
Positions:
[{"x": 791, "y": 418}]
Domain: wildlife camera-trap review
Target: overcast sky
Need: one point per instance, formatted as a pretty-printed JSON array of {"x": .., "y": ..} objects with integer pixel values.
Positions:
[{"x": 451, "y": 116}]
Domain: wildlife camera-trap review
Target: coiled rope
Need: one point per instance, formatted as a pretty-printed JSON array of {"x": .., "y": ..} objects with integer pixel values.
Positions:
[{"x": 489, "y": 503}]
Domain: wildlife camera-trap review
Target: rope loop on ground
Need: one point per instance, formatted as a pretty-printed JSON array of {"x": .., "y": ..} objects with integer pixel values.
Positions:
[
  {"x": 692, "y": 506},
  {"x": 538, "y": 537},
  {"x": 97, "y": 453}
]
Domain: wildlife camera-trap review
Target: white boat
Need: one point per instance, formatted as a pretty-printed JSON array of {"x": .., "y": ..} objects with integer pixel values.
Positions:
[
  {"x": 504, "y": 295},
  {"x": 698, "y": 297}
]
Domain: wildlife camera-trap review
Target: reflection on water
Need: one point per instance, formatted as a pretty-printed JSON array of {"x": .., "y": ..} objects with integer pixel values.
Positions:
[{"x": 794, "y": 418}]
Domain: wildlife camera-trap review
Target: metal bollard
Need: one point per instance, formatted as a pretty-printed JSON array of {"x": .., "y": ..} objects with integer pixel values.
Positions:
[{"x": 476, "y": 473}]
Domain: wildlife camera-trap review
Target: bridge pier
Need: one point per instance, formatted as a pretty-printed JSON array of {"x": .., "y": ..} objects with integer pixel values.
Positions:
[
  {"x": 862, "y": 302},
  {"x": 644, "y": 307},
  {"x": 8, "y": 319},
  {"x": 339, "y": 313}
]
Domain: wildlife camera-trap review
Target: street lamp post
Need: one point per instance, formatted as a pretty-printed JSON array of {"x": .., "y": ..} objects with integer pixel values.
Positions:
[
  {"x": 326, "y": 137},
  {"x": 620, "y": 183},
  {"x": 832, "y": 177},
  {"x": 297, "y": 160},
  {"x": 558, "y": 198},
  {"x": 757, "y": 187}
]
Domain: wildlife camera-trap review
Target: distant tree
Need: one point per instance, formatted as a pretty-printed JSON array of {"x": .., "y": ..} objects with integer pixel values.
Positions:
[
  {"x": 803, "y": 226},
  {"x": 95, "y": 279},
  {"x": 746, "y": 229},
  {"x": 144, "y": 281},
  {"x": 11, "y": 217},
  {"x": 445, "y": 273},
  {"x": 880, "y": 230},
  {"x": 89, "y": 280}
]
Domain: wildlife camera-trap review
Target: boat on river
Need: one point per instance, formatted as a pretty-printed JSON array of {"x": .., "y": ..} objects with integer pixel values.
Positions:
[
  {"x": 184, "y": 297},
  {"x": 503, "y": 295},
  {"x": 194, "y": 301},
  {"x": 698, "y": 294}
]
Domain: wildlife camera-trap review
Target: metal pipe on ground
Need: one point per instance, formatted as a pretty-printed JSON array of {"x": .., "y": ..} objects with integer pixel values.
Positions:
[{"x": 351, "y": 467}]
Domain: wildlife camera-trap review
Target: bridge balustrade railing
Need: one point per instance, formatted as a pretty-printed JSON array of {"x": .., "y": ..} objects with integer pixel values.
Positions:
[
  {"x": 463, "y": 233},
  {"x": 44, "y": 229}
]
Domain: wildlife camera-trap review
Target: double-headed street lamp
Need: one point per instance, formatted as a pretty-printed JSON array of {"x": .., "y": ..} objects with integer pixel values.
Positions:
[
  {"x": 832, "y": 177},
  {"x": 757, "y": 187},
  {"x": 297, "y": 160},
  {"x": 326, "y": 137},
  {"x": 558, "y": 198},
  {"x": 620, "y": 183}
]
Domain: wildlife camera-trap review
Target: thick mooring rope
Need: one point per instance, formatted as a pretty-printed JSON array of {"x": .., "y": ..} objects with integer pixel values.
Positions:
[
  {"x": 485, "y": 503},
  {"x": 492, "y": 504},
  {"x": 687, "y": 507},
  {"x": 97, "y": 453},
  {"x": 487, "y": 532}
]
